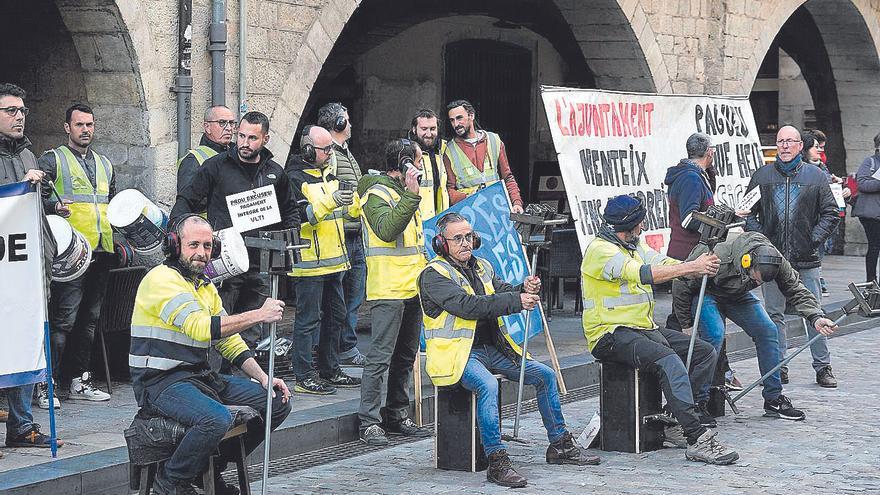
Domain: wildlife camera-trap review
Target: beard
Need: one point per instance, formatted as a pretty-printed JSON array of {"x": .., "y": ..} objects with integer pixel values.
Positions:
[
  {"x": 191, "y": 269},
  {"x": 247, "y": 153}
]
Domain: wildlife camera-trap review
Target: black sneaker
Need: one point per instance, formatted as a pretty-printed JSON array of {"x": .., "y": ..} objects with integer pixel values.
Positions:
[
  {"x": 825, "y": 378},
  {"x": 783, "y": 375},
  {"x": 706, "y": 419},
  {"x": 781, "y": 408},
  {"x": 341, "y": 380},
  {"x": 407, "y": 428},
  {"x": 311, "y": 385},
  {"x": 374, "y": 435},
  {"x": 32, "y": 438}
]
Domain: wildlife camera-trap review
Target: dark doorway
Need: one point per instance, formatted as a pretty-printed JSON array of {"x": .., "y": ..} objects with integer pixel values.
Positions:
[{"x": 496, "y": 78}]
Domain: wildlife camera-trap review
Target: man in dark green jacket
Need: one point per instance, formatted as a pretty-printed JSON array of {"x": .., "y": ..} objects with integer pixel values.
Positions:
[
  {"x": 747, "y": 261},
  {"x": 395, "y": 253}
]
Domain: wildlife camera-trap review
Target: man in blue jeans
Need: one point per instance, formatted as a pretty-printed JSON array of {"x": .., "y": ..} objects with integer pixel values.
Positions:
[
  {"x": 466, "y": 341},
  {"x": 747, "y": 261},
  {"x": 178, "y": 316}
]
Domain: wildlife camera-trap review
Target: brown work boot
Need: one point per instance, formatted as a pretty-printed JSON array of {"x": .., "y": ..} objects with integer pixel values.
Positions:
[
  {"x": 566, "y": 451},
  {"x": 4, "y": 415},
  {"x": 502, "y": 473}
]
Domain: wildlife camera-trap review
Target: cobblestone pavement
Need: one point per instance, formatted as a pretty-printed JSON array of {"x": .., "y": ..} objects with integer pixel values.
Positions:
[{"x": 835, "y": 451}]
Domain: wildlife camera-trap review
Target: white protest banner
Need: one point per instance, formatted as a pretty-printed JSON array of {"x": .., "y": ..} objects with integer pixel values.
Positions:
[
  {"x": 612, "y": 143},
  {"x": 837, "y": 192},
  {"x": 23, "y": 312},
  {"x": 253, "y": 209},
  {"x": 749, "y": 200}
]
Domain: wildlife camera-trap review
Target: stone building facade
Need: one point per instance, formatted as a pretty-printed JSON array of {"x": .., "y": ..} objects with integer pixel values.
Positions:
[{"x": 385, "y": 58}]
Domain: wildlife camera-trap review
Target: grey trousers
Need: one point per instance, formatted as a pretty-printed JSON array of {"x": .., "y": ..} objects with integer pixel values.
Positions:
[
  {"x": 396, "y": 324},
  {"x": 774, "y": 302}
]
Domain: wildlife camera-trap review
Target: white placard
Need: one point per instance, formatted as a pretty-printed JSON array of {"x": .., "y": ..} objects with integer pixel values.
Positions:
[
  {"x": 837, "y": 191},
  {"x": 22, "y": 357},
  {"x": 253, "y": 209},
  {"x": 612, "y": 143},
  {"x": 749, "y": 200}
]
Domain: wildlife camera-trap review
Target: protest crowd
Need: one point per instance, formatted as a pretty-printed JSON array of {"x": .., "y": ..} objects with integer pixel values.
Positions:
[{"x": 193, "y": 341}]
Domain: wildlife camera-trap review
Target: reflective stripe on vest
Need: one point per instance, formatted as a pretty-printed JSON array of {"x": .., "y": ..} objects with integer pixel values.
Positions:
[
  {"x": 467, "y": 175},
  {"x": 400, "y": 249},
  {"x": 88, "y": 211}
]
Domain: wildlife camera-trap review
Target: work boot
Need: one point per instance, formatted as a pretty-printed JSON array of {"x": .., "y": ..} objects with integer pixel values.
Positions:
[
  {"x": 783, "y": 375},
  {"x": 408, "y": 428},
  {"x": 81, "y": 388},
  {"x": 673, "y": 437},
  {"x": 221, "y": 487},
  {"x": 706, "y": 419},
  {"x": 781, "y": 408},
  {"x": 4, "y": 415},
  {"x": 566, "y": 451},
  {"x": 825, "y": 378},
  {"x": 502, "y": 473},
  {"x": 165, "y": 487},
  {"x": 707, "y": 449}
]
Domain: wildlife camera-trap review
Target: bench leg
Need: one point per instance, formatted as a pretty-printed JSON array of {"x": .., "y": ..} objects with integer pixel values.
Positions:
[
  {"x": 208, "y": 477},
  {"x": 148, "y": 475},
  {"x": 244, "y": 482}
]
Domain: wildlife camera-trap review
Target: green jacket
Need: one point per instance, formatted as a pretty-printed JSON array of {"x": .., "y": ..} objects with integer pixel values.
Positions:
[
  {"x": 732, "y": 282},
  {"x": 387, "y": 223}
]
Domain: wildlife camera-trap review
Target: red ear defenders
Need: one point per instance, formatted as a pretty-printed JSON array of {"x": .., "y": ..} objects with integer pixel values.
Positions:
[
  {"x": 441, "y": 245},
  {"x": 171, "y": 241}
]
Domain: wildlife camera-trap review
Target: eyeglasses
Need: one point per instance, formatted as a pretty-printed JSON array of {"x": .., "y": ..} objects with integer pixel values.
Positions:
[
  {"x": 12, "y": 111},
  {"x": 460, "y": 239},
  {"x": 326, "y": 149},
  {"x": 224, "y": 123},
  {"x": 787, "y": 142}
]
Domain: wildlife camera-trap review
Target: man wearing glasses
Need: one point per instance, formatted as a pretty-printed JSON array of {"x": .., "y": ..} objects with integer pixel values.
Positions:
[
  {"x": 219, "y": 125},
  {"x": 466, "y": 341},
  {"x": 798, "y": 213}
]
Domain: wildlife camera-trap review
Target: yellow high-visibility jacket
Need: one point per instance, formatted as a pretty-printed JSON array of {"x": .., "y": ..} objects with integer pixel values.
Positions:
[
  {"x": 88, "y": 211},
  {"x": 435, "y": 197},
  {"x": 612, "y": 288}
]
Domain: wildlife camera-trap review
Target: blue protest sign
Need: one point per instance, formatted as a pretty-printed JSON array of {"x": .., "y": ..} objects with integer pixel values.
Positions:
[{"x": 488, "y": 212}]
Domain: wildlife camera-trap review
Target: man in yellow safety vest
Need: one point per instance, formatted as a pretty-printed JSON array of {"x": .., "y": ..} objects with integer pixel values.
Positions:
[
  {"x": 86, "y": 182},
  {"x": 475, "y": 158},
  {"x": 424, "y": 130},
  {"x": 466, "y": 341}
]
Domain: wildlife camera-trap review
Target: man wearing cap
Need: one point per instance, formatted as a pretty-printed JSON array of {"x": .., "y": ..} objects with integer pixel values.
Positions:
[
  {"x": 618, "y": 271},
  {"x": 747, "y": 261}
]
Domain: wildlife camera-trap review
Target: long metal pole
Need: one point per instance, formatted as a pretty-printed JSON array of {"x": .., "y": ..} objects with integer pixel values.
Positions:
[
  {"x": 273, "y": 291},
  {"x": 525, "y": 352},
  {"x": 696, "y": 328},
  {"x": 784, "y": 362},
  {"x": 183, "y": 81},
  {"x": 242, "y": 57},
  {"x": 217, "y": 48}
]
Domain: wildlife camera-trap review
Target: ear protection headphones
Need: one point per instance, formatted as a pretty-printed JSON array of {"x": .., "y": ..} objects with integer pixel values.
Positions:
[
  {"x": 171, "y": 241},
  {"x": 341, "y": 122},
  {"x": 441, "y": 245},
  {"x": 307, "y": 147},
  {"x": 403, "y": 156},
  {"x": 747, "y": 261}
]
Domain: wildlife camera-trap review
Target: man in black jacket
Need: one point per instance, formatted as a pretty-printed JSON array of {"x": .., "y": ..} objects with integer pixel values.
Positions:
[
  {"x": 747, "y": 261},
  {"x": 243, "y": 167},
  {"x": 219, "y": 124},
  {"x": 798, "y": 213}
]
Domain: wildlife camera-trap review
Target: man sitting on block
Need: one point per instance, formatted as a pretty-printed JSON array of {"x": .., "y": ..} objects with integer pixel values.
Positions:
[
  {"x": 463, "y": 301},
  {"x": 178, "y": 316},
  {"x": 747, "y": 261},
  {"x": 618, "y": 271}
]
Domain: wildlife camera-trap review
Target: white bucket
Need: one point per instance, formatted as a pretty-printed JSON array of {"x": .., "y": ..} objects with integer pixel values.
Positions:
[
  {"x": 233, "y": 260},
  {"x": 74, "y": 253},
  {"x": 138, "y": 219}
]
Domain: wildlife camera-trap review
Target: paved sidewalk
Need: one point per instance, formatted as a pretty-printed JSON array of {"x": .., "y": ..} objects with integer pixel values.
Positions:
[{"x": 835, "y": 451}]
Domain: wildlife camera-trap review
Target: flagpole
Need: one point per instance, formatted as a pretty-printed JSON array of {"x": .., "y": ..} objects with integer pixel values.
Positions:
[{"x": 53, "y": 438}]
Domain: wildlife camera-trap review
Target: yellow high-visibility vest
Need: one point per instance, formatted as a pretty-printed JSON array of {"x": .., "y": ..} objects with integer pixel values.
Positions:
[
  {"x": 434, "y": 201},
  {"x": 200, "y": 153},
  {"x": 613, "y": 294},
  {"x": 448, "y": 338},
  {"x": 468, "y": 178},
  {"x": 393, "y": 268},
  {"x": 88, "y": 211}
]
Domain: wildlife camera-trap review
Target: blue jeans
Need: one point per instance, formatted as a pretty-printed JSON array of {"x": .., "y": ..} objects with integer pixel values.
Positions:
[
  {"x": 754, "y": 320},
  {"x": 20, "y": 416},
  {"x": 354, "y": 288},
  {"x": 312, "y": 295},
  {"x": 477, "y": 377},
  {"x": 775, "y": 302},
  {"x": 207, "y": 421}
]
